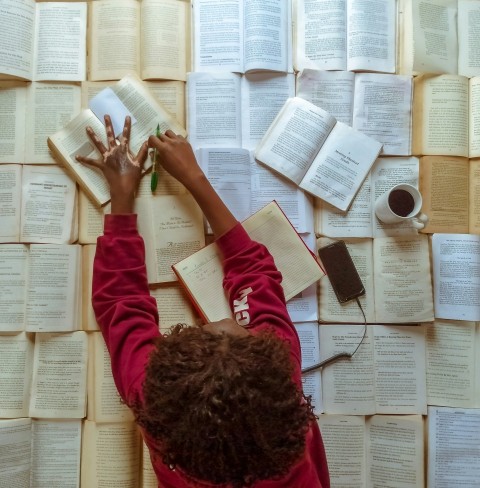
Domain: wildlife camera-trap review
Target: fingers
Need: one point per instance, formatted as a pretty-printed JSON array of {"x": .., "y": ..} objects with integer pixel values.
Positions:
[
  {"x": 89, "y": 161},
  {"x": 96, "y": 140},
  {"x": 110, "y": 133},
  {"x": 142, "y": 154},
  {"x": 125, "y": 139}
]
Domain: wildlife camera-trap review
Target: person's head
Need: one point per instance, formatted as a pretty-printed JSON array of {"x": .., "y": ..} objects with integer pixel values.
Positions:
[{"x": 223, "y": 405}]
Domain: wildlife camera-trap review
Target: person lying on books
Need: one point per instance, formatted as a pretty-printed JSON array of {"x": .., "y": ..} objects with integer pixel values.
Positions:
[{"x": 220, "y": 404}]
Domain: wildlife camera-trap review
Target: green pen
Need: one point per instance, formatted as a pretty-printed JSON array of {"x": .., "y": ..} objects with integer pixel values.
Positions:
[{"x": 154, "y": 180}]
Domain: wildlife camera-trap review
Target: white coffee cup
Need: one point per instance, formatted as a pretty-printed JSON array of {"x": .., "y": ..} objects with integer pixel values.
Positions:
[{"x": 399, "y": 204}]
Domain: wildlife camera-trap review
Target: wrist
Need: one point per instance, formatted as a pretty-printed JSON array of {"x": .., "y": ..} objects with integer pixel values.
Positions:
[{"x": 123, "y": 204}]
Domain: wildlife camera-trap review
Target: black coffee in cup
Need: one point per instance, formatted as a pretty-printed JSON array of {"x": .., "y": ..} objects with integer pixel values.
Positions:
[{"x": 401, "y": 202}]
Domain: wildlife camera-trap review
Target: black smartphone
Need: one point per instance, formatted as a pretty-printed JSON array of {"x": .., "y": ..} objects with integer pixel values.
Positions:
[{"x": 341, "y": 271}]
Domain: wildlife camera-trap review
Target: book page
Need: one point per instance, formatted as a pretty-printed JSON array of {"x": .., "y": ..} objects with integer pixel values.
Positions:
[
  {"x": 60, "y": 41},
  {"x": 214, "y": 110},
  {"x": 263, "y": 95},
  {"x": 341, "y": 165},
  {"x": 450, "y": 364},
  {"x": 456, "y": 285},
  {"x": 395, "y": 451},
  {"x": 218, "y": 35},
  {"x": 399, "y": 357},
  {"x": 348, "y": 384},
  {"x": 13, "y": 279},
  {"x": 440, "y": 122},
  {"x": 444, "y": 185},
  {"x": 228, "y": 170},
  {"x": 99, "y": 468},
  {"x": 383, "y": 110},
  {"x": 403, "y": 289},
  {"x": 345, "y": 444},
  {"x": 321, "y": 35},
  {"x": 172, "y": 226},
  {"x": 474, "y": 117},
  {"x": 54, "y": 288},
  {"x": 13, "y": 100},
  {"x": 59, "y": 383},
  {"x": 434, "y": 27},
  {"x": 90, "y": 219},
  {"x": 15, "y": 444},
  {"x": 104, "y": 402},
  {"x": 294, "y": 138},
  {"x": 148, "y": 476},
  {"x": 56, "y": 453},
  {"x": 10, "y": 198},
  {"x": 330, "y": 90},
  {"x": 165, "y": 36},
  {"x": 16, "y": 357},
  {"x": 453, "y": 457},
  {"x": 474, "y": 197},
  {"x": 386, "y": 173},
  {"x": 17, "y": 30},
  {"x": 48, "y": 205},
  {"x": 173, "y": 306},
  {"x": 88, "y": 315},
  {"x": 404, "y": 38},
  {"x": 468, "y": 41},
  {"x": 50, "y": 107},
  {"x": 266, "y": 186},
  {"x": 330, "y": 309},
  {"x": 371, "y": 35},
  {"x": 171, "y": 94},
  {"x": 266, "y": 35},
  {"x": 113, "y": 23}
]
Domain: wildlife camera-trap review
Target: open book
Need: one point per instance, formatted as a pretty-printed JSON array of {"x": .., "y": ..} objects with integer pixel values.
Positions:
[
  {"x": 73, "y": 140},
  {"x": 395, "y": 272},
  {"x": 378, "y": 105},
  {"x": 386, "y": 374},
  {"x": 242, "y": 35},
  {"x": 438, "y": 36},
  {"x": 326, "y": 158},
  {"x": 381, "y": 450},
  {"x": 46, "y": 379},
  {"x": 40, "y": 452},
  {"x": 445, "y": 115},
  {"x": 151, "y": 39},
  {"x": 41, "y": 287},
  {"x": 360, "y": 220},
  {"x": 34, "y": 111},
  {"x": 456, "y": 257},
  {"x": 450, "y": 188},
  {"x": 345, "y": 35},
  {"x": 202, "y": 273},
  {"x": 43, "y": 40},
  {"x": 39, "y": 204}
]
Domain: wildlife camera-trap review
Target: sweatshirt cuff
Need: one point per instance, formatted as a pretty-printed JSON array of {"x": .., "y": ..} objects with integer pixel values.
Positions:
[
  {"x": 233, "y": 241},
  {"x": 120, "y": 224}
]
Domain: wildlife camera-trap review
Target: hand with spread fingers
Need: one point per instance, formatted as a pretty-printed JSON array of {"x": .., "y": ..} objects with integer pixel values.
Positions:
[{"x": 121, "y": 168}]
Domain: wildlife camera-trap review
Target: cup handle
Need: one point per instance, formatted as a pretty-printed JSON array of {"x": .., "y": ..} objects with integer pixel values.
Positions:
[{"x": 420, "y": 221}]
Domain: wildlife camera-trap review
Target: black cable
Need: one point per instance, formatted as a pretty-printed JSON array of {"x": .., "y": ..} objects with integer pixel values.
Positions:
[{"x": 340, "y": 355}]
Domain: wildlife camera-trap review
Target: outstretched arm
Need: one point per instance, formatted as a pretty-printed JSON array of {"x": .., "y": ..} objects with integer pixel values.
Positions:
[{"x": 176, "y": 156}]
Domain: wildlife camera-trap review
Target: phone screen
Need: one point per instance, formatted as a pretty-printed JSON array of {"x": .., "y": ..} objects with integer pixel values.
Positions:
[{"x": 341, "y": 271}]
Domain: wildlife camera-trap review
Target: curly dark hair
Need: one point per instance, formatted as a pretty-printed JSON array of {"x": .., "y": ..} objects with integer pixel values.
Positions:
[{"x": 224, "y": 408}]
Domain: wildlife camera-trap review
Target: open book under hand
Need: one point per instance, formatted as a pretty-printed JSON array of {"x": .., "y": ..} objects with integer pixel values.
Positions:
[
  {"x": 202, "y": 274},
  {"x": 325, "y": 157}
]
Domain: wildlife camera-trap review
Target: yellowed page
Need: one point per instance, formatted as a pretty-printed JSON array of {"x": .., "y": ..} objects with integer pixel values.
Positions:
[
  {"x": 15, "y": 443},
  {"x": 444, "y": 185},
  {"x": 395, "y": 451},
  {"x": 148, "y": 476},
  {"x": 114, "y": 39},
  {"x": 171, "y": 94},
  {"x": 89, "y": 322},
  {"x": 101, "y": 469},
  {"x": 344, "y": 440},
  {"x": 441, "y": 108},
  {"x": 59, "y": 383},
  {"x": 90, "y": 88},
  {"x": 13, "y": 100},
  {"x": 474, "y": 197},
  {"x": 16, "y": 358},
  {"x": 102, "y": 394},
  {"x": 330, "y": 310},
  {"x": 164, "y": 39},
  {"x": 11, "y": 197},
  {"x": 474, "y": 117}
]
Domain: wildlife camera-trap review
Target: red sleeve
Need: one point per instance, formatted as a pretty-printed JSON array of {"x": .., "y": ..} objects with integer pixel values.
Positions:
[
  {"x": 253, "y": 285},
  {"x": 126, "y": 313}
]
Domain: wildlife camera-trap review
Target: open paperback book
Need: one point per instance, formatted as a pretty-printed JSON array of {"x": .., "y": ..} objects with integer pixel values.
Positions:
[
  {"x": 146, "y": 114},
  {"x": 324, "y": 157},
  {"x": 201, "y": 274}
]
